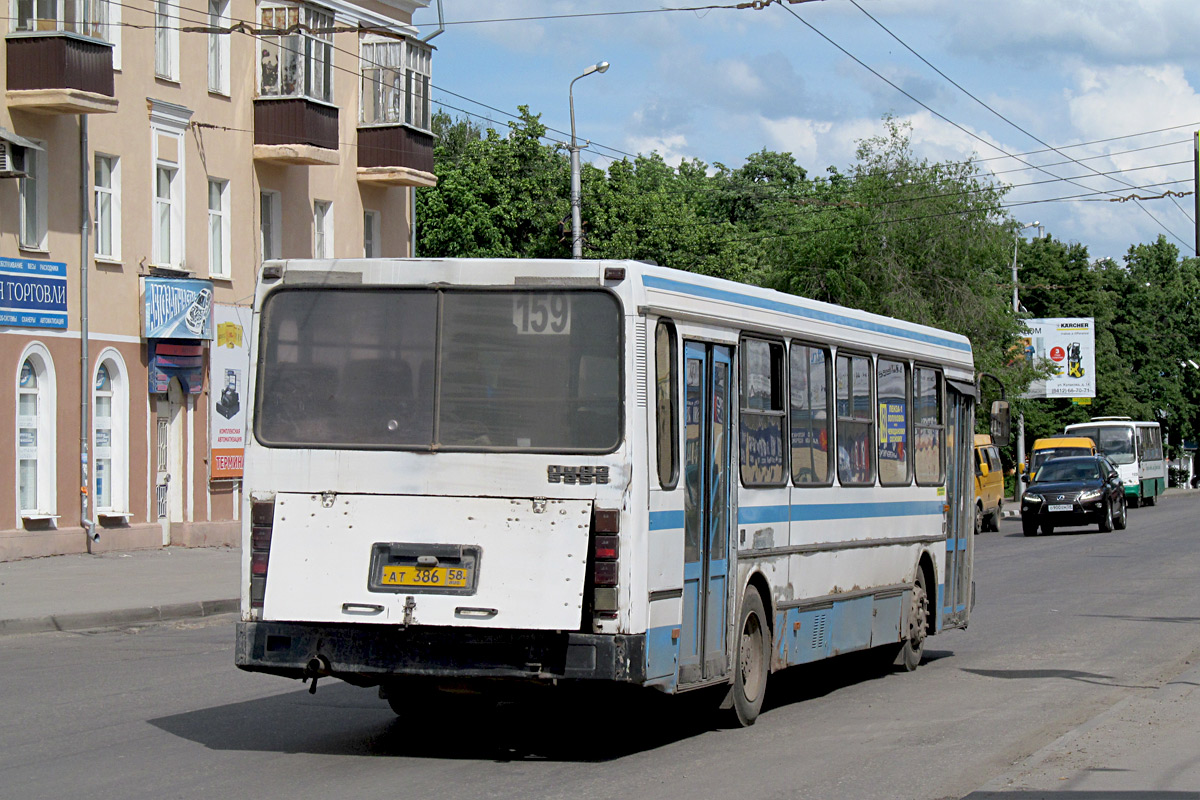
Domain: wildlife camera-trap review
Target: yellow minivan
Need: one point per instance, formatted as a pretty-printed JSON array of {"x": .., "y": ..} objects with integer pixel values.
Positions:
[
  {"x": 989, "y": 484},
  {"x": 1058, "y": 447}
]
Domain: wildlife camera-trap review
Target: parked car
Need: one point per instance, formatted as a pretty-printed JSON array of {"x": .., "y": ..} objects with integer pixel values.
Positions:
[
  {"x": 1076, "y": 490},
  {"x": 989, "y": 484}
]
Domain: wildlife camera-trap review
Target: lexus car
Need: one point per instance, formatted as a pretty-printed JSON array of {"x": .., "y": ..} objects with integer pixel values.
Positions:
[{"x": 1073, "y": 491}]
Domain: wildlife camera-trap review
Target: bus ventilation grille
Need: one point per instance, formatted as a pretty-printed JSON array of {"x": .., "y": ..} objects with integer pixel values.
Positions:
[
  {"x": 641, "y": 367},
  {"x": 818, "y": 632}
]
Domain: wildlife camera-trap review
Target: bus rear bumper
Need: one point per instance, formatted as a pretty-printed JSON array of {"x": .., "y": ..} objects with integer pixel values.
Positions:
[{"x": 366, "y": 655}]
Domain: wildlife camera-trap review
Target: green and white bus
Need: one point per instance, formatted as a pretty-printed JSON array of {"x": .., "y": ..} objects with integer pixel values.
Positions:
[{"x": 1137, "y": 450}]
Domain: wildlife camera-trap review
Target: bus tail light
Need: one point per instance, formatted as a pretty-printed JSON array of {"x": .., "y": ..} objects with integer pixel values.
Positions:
[
  {"x": 606, "y": 566},
  {"x": 262, "y": 521}
]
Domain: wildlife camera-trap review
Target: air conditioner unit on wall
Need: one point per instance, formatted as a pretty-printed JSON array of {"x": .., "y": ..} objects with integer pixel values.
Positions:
[{"x": 12, "y": 160}]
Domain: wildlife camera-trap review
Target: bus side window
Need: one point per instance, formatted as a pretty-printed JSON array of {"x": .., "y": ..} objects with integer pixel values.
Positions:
[
  {"x": 763, "y": 457},
  {"x": 855, "y": 421},
  {"x": 929, "y": 429},
  {"x": 666, "y": 403},
  {"x": 809, "y": 413},
  {"x": 891, "y": 378}
]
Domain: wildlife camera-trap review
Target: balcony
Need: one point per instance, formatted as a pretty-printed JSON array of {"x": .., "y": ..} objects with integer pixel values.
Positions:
[
  {"x": 395, "y": 155},
  {"x": 295, "y": 130},
  {"x": 58, "y": 72}
]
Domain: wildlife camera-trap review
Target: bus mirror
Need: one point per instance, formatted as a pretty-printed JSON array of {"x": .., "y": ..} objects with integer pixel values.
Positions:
[{"x": 1001, "y": 423}]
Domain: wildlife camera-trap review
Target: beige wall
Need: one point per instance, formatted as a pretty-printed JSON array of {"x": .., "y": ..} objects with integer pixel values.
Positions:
[{"x": 224, "y": 150}]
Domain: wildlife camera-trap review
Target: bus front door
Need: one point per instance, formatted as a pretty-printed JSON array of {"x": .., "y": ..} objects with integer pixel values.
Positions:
[
  {"x": 960, "y": 497},
  {"x": 708, "y": 378}
]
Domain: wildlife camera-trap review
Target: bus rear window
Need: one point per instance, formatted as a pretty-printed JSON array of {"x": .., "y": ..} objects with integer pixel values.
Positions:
[{"x": 440, "y": 369}]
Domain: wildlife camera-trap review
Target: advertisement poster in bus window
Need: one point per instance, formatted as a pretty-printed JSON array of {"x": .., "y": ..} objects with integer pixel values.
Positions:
[
  {"x": 229, "y": 365},
  {"x": 1069, "y": 346}
]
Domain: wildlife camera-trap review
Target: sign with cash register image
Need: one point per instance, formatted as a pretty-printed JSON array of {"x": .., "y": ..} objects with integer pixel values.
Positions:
[
  {"x": 177, "y": 308},
  {"x": 1069, "y": 346}
]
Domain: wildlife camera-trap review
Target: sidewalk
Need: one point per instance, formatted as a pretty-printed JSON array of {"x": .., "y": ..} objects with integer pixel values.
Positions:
[{"x": 76, "y": 592}]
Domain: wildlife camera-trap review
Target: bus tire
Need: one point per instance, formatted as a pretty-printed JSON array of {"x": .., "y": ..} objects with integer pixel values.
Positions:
[
  {"x": 1152, "y": 500},
  {"x": 1136, "y": 500},
  {"x": 916, "y": 625},
  {"x": 753, "y": 662}
]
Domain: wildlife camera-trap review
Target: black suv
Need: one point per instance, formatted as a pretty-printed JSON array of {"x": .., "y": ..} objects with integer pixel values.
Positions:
[{"x": 1075, "y": 490}]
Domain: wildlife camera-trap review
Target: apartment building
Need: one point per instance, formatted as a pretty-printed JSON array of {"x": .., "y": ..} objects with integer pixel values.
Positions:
[{"x": 152, "y": 154}]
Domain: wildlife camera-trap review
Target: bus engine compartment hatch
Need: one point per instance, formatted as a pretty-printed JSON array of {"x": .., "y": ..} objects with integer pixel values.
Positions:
[{"x": 422, "y": 560}]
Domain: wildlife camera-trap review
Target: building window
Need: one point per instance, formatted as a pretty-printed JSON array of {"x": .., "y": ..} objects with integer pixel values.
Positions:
[
  {"x": 32, "y": 191},
  {"x": 108, "y": 207},
  {"x": 35, "y": 433},
  {"x": 810, "y": 414},
  {"x": 218, "y": 228},
  {"x": 74, "y": 16},
  {"x": 395, "y": 82},
  {"x": 218, "y": 47},
  {"x": 168, "y": 228},
  {"x": 269, "y": 224},
  {"x": 762, "y": 413},
  {"x": 855, "y": 421},
  {"x": 110, "y": 438},
  {"x": 166, "y": 41},
  {"x": 322, "y": 229},
  {"x": 299, "y": 63},
  {"x": 371, "y": 247}
]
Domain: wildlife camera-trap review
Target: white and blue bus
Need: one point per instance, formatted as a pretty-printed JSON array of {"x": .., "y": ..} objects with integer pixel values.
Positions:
[
  {"x": 467, "y": 473},
  {"x": 1136, "y": 448}
]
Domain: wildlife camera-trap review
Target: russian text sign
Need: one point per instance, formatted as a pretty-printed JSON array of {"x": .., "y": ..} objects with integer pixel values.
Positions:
[{"x": 33, "y": 294}]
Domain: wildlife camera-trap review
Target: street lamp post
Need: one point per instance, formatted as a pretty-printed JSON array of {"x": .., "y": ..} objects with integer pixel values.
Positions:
[
  {"x": 576, "y": 222},
  {"x": 1016, "y": 305}
]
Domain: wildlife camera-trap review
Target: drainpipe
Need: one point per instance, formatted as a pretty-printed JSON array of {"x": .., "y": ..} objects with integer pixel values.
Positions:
[
  {"x": 441, "y": 28},
  {"x": 85, "y": 377},
  {"x": 412, "y": 194}
]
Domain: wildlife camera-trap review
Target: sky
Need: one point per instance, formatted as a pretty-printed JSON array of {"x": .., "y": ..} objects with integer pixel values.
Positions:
[{"x": 1073, "y": 87}]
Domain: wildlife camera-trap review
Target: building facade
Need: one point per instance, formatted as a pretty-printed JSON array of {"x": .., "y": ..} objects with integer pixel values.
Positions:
[{"x": 152, "y": 155}]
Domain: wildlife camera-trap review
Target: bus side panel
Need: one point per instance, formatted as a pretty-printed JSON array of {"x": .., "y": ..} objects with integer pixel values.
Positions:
[{"x": 664, "y": 572}]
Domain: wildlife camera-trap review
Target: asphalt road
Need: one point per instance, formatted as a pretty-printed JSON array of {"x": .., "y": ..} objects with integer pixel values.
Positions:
[{"x": 1065, "y": 627}]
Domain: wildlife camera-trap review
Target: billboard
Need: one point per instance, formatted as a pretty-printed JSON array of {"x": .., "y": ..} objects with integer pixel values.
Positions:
[
  {"x": 33, "y": 294},
  {"x": 1067, "y": 344},
  {"x": 230, "y": 365},
  {"x": 177, "y": 308}
]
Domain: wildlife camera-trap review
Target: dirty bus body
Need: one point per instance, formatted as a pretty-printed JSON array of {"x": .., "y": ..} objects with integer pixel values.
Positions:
[{"x": 463, "y": 473}]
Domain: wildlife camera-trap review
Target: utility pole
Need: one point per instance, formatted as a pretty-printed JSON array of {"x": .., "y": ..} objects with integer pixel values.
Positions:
[
  {"x": 1016, "y": 306},
  {"x": 1196, "y": 186}
]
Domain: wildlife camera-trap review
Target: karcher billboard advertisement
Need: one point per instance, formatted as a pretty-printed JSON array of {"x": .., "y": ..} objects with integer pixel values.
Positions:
[{"x": 1069, "y": 345}]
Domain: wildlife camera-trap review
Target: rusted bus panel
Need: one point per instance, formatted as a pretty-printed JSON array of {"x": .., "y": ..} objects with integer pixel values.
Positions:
[
  {"x": 58, "y": 61},
  {"x": 295, "y": 120},
  {"x": 395, "y": 146}
]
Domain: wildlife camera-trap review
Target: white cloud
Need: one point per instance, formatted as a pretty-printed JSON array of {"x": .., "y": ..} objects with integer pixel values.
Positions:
[{"x": 672, "y": 148}]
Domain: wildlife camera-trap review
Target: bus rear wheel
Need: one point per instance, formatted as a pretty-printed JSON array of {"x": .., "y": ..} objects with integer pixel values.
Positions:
[
  {"x": 753, "y": 660},
  {"x": 916, "y": 625}
]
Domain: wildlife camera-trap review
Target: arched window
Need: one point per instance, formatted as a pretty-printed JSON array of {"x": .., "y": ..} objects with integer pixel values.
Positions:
[
  {"x": 35, "y": 434},
  {"x": 110, "y": 435}
]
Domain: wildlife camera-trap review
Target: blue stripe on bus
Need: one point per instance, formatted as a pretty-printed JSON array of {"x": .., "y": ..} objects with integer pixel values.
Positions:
[
  {"x": 810, "y": 512},
  {"x": 666, "y": 520},
  {"x": 771, "y": 304}
]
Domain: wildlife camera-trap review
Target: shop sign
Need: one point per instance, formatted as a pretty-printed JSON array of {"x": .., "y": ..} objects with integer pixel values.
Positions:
[
  {"x": 229, "y": 365},
  {"x": 177, "y": 308},
  {"x": 33, "y": 294}
]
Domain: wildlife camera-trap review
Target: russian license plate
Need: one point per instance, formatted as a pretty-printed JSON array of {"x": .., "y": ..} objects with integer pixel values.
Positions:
[
  {"x": 1067, "y": 507},
  {"x": 429, "y": 577}
]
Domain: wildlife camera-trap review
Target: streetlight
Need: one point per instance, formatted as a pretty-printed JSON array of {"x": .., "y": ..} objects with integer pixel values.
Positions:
[
  {"x": 1016, "y": 310},
  {"x": 576, "y": 233}
]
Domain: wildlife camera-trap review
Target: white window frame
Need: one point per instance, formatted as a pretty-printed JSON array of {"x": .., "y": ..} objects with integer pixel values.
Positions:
[
  {"x": 43, "y": 421},
  {"x": 270, "y": 239},
  {"x": 396, "y": 78},
  {"x": 166, "y": 40},
  {"x": 322, "y": 229},
  {"x": 310, "y": 72},
  {"x": 28, "y": 16},
  {"x": 34, "y": 203},
  {"x": 168, "y": 216},
  {"x": 168, "y": 122},
  {"x": 110, "y": 192},
  {"x": 117, "y": 451},
  {"x": 219, "y": 252},
  {"x": 218, "y": 47},
  {"x": 372, "y": 245}
]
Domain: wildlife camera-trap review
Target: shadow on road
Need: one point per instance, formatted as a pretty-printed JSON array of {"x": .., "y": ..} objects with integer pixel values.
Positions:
[
  {"x": 596, "y": 724},
  {"x": 1131, "y": 618},
  {"x": 1043, "y": 674},
  {"x": 1084, "y": 794}
]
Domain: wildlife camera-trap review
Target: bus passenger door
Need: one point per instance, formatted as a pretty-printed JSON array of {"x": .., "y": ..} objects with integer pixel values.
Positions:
[
  {"x": 707, "y": 378},
  {"x": 960, "y": 497}
]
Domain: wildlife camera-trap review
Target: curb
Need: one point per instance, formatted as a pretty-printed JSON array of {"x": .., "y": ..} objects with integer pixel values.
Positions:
[{"x": 109, "y": 619}]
